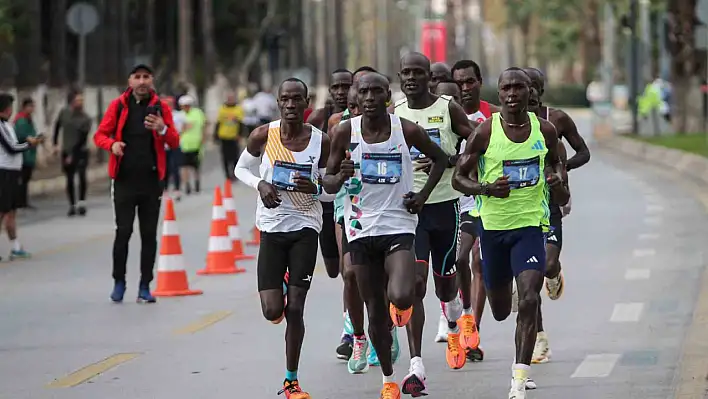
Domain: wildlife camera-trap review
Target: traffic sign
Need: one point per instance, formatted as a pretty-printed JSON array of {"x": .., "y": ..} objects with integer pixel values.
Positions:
[{"x": 82, "y": 18}]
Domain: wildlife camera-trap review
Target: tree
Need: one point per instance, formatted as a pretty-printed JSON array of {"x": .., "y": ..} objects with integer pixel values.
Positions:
[
  {"x": 257, "y": 42},
  {"x": 210, "y": 56}
]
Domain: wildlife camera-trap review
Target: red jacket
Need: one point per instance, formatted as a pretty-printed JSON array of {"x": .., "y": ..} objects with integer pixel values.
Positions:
[{"x": 111, "y": 131}]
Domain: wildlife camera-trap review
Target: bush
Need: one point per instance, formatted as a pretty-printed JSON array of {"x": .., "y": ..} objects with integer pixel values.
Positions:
[{"x": 572, "y": 96}]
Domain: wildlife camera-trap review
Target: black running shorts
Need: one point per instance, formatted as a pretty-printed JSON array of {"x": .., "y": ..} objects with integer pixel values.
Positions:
[
  {"x": 328, "y": 240},
  {"x": 555, "y": 234},
  {"x": 10, "y": 183},
  {"x": 437, "y": 234},
  {"x": 469, "y": 224},
  {"x": 374, "y": 250},
  {"x": 294, "y": 251}
]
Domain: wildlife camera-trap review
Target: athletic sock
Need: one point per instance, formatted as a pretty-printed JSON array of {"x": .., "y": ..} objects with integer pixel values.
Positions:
[
  {"x": 389, "y": 378},
  {"x": 521, "y": 371},
  {"x": 468, "y": 311},
  {"x": 291, "y": 375}
]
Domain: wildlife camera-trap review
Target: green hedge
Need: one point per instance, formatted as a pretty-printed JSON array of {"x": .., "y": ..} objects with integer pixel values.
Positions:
[{"x": 560, "y": 96}]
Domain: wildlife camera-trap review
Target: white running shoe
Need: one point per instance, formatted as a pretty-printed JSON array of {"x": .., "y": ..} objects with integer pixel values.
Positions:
[
  {"x": 441, "y": 336},
  {"x": 555, "y": 286},
  {"x": 414, "y": 383},
  {"x": 518, "y": 390},
  {"x": 541, "y": 350}
]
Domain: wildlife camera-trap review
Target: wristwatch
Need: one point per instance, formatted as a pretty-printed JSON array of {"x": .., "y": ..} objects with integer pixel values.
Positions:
[{"x": 484, "y": 189}]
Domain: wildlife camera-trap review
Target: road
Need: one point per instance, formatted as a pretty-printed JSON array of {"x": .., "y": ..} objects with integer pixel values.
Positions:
[{"x": 634, "y": 252}]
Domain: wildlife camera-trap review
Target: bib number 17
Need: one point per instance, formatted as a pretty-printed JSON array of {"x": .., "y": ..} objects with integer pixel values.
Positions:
[{"x": 523, "y": 171}]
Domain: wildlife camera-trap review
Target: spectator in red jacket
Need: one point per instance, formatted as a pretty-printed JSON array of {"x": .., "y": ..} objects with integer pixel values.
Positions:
[{"x": 135, "y": 129}]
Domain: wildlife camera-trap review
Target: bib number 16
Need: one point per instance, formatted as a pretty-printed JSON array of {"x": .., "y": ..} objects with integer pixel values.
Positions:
[{"x": 381, "y": 166}]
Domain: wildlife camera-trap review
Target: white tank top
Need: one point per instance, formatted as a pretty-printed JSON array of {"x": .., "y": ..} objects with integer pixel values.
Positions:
[
  {"x": 373, "y": 205},
  {"x": 467, "y": 201},
  {"x": 278, "y": 166}
]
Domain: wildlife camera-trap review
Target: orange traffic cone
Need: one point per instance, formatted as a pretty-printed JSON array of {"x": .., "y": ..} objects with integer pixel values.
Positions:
[
  {"x": 256, "y": 240},
  {"x": 220, "y": 258},
  {"x": 171, "y": 276},
  {"x": 232, "y": 220}
]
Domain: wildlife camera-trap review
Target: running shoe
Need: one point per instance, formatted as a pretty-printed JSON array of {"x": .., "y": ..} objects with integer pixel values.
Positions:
[
  {"x": 390, "y": 391},
  {"x": 541, "y": 350},
  {"x": 475, "y": 355},
  {"x": 555, "y": 286},
  {"x": 469, "y": 336},
  {"x": 441, "y": 336},
  {"x": 518, "y": 390},
  {"x": 414, "y": 383},
  {"x": 455, "y": 354},
  {"x": 358, "y": 363},
  {"x": 344, "y": 350},
  {"x": 400, "y": 317},
  {"x": 144, "y": 295},
  {"x": 118, "y": 291},
  {"x": 292, "y": 390}
]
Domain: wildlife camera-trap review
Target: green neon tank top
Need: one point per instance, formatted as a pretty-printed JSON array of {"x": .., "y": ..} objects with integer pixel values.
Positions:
[{"x": 527, "y": 204}]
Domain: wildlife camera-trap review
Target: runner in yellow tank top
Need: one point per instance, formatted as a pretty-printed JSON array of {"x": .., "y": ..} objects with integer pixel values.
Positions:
[
  {"x": 518, "y": 164},
  {"x": 438, "y": 223}
]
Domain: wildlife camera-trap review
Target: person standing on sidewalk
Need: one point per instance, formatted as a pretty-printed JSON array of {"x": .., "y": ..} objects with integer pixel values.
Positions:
[
  {"x": 135, "y": 129},
  {"x": 227, "y": 133},
  {"x": 11, "y": 173},
  {"x": 75, "y": 125},
  {"x": 24, "y": 128},
  {"x": 191, "y": 142}
]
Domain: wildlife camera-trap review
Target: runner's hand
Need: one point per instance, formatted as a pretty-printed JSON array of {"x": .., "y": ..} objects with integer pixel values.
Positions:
[
  {"x": 553, "y": 179},
  {"x": 346, "y": 169},
  {"x": 424, "y": 164},
  {"x": 269, "y": 195},
  {"x": 565, "y": 209},
  {"x": 500, "y": 188},
  {"x": 304, "y": 185},
  {"x": 414, "y": 202}
]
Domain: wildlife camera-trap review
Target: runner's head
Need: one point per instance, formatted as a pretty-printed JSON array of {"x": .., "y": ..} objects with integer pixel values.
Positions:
[
  {"x": 439, "y": 71},
  {"x": 534, "y": 101},
  {"x": 373, "y": 93},
  {"x": 340, "y": 82},
  {"x": 468, "y": 75},
  {"x": 352, "y": 104},
  {"x": 292, "y": 100},
  {"x": 361, "y": 71},
  {"x": 415, "y": 74},
  {"x": 514, "y": 88},
  {"x": 450, "y": 88},
  {"x": 538, "y": 80}
]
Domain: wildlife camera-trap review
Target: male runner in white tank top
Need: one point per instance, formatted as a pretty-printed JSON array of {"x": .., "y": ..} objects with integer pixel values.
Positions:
[
  {"x": 291, "y": 157},
  {"x": 380, "y": 211},
  {"x": 437, "y": 233}
]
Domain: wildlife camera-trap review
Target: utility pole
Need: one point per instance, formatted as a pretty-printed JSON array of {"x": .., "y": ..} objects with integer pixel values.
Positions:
[
  {"x": 634, "y": 66},
  {"x": 646, "y": 58}
]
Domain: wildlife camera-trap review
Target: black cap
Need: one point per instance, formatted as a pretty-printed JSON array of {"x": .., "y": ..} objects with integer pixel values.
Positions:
[{"x": 141, "y": 66}]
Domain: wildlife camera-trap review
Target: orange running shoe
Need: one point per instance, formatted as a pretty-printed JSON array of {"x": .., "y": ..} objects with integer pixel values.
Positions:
[
  {"x": 292, "y": 390},
  {"x": 469, "y": 336},
  {"x": 455, "y": 354},
  {"x": 390, "y": 391},
  {"x": 400, "y": 317}
]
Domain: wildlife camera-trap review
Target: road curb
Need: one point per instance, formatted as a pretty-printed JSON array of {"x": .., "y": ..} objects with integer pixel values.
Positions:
[{"x": 691, "y": 379}]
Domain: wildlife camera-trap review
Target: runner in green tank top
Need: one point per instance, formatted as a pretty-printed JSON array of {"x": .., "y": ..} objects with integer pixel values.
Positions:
[{"x": 518, "y": 168}]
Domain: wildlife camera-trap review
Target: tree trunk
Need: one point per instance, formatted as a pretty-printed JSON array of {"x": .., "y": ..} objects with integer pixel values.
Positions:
[
  {"x": 150, "y": 39},
  {"x": 255, "y": 49},
  {"x": 687, "y": 116},
  {"x": 57, "y": 59},
  {"x": 210, "y": 56},
  {"x": 590, "y": 44},
  {"x": 185, "y": 40}
]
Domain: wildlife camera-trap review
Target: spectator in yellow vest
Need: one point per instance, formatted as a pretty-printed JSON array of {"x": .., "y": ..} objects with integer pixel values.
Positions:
[{"x": 229, "y": 125}]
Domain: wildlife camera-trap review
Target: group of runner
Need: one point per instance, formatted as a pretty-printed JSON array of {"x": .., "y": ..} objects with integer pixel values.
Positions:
[{"x": 439, "y": 180}]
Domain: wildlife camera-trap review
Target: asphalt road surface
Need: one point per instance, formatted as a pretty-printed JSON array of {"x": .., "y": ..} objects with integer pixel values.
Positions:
[{"x": 633, "y": 255}]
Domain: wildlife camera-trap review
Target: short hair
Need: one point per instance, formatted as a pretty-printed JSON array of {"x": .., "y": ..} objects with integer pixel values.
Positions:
[
  {"x": 464, "y": 64},
  {"x": 27, "y": 101},
  {"x": 6, "y": 100},
  {"x": 364, "y": 68},
  {"x": 513, "y": 69},
  {"x": 294, "y": 80},
  {"x": 447, "y": 80},
  {"x": 72, "y": 95},
  {"x": 342, "y": 70}
]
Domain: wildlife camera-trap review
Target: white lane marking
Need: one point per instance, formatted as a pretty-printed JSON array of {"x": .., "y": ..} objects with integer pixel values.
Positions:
[
  {"x": 649, "y": 236},
  {"x": 596, "y": 366},
  {"x": 637, "y": 274},
  {"x": 653, "y": 198},
  {"x": 652, "y": 208},
  {"x": 638, "y": 253},
  {"x": 653, "y": 220},
  {"x": 627, "y": 312}
]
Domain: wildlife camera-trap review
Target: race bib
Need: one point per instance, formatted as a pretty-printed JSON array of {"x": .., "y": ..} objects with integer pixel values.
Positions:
[
  {"x": 434, "y": 134},
  {"x": 522, "y": 173},
  {"x": 284, "y": 174},
  {"x": 381, "y": 168}
]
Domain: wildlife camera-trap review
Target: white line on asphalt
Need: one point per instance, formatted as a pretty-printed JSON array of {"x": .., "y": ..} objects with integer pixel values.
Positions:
[
  {"x": 653, "y": 220},
  {"x": 596, "y": 366},
  {"x": 637, "y": 274},
  {"x": 652, "y": 208},
  {"x": 653, "y": 198},
  {"x": 638, "y": 253},
  {"x": 627, "y": 312},
  {"x": 649, "y": 236}
]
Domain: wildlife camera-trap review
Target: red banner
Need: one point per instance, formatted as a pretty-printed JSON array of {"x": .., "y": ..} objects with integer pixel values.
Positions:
[{"x": 433, "y": 40}]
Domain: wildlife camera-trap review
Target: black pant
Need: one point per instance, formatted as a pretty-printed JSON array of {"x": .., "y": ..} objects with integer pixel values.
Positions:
[
  {"x": 229, "y": 156},
  {"x": 23, "y": 194},
  {"x": 75, "y": 165},
  {"x": 147, "y": 198}
]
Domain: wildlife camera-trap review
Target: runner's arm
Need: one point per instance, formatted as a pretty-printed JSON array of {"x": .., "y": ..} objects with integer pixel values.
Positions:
[
  {"x": 569, "y": 130},
  {"x": 332, "y": 122},
  {"x": 332, "y": 181},
  {"x": 323, "y": 195},
  {"x": 416, "y": 136},
  {"x": 251, "y": 156},
  {"x": 553, "y": 162},
  {"x": 464, "y": 179}
]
